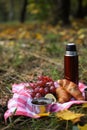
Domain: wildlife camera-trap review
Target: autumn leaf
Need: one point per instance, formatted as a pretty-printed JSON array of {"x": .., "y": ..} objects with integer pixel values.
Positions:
[
  {"x": 84, "y": 105},
  {"x": 68, "y": 115},
  {"x": 63, "y": 33},
  {"x": 82, "y": 36},
  {"x": 39, "y": 36},
  {"x": 32, "y": 8},
  {"x": 82, "y": 127},
  {"x": 24, "y": 34},
  {"x": 36, "y": 11},
  {"x": 43, "y": 114}
]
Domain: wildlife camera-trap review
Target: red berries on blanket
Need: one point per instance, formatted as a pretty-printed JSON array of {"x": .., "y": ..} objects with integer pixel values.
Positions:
[{"x": 42, "y": 86}]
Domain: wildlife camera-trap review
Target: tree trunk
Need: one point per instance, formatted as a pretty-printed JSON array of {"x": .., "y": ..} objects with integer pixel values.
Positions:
[
  {"x": 65, "y": 11},
  {"x": 11, "y": 12},
  {"x": 80, "y": 9},
  {"x": 23, "y": 11},
  {"x": 61, "y": 11},
  {"x": 56, "y": 11}
]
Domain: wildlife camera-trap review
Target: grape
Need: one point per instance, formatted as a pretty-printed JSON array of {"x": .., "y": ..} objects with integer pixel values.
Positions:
[
  {"x": 38, "y": 95},
  {"x": 36, "y": 90},
  {"x": 41, "y": 91},
  {"x": 44, "y": 78},
  {"x": 46, "y": 89},
  {"x": 48, "y": 84},
  {"x": 39, "y": 83},
  {"x": 52, "y": 89},
  {"x": 42, "y": 86}
]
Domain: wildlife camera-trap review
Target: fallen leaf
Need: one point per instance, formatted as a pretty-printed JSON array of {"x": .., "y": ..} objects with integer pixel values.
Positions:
[
  {"x": 82, "y": 36},
  {"x": 82, "y": 127},
  {"x": 35, "y": 11},
  {"x": 68, "y": 115},
  {"x": 39, "y": 36},
  {"x": 80, "y": 31},
  {"x": 76, "y": 120},
  {"x": 84, "y": 105},
  {"x": 44, "y": 114}
]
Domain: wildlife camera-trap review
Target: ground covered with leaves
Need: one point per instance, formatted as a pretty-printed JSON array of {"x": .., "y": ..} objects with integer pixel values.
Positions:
[{"x": 33, "y": 49}]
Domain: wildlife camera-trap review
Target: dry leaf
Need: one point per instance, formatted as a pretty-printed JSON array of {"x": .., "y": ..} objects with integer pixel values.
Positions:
[
  {"x": 35, "y": 11},
  {"x": 39, "y": 36},
  {"x": 82, "y": 36},
  {"x": 84, "y": 105},
  {"x": 80, "y": 31},
  {"x": 44, "y": 114},
  {"x": 63, "y": 33},
  {"x": 76, "y": 120},
  {"x": 82, "y": 127},
  {"x": 68, "y": 115}
]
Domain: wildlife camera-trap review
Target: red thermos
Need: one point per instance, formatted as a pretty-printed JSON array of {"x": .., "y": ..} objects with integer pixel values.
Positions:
[{"x": 71, "y": 63}]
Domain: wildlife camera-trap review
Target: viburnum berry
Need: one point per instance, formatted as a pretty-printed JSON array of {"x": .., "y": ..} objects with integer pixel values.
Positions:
[
  {"x": 42, "y": 86},
  {"x": 36, "y": 90},
  {"x": 52, "y": 89},
  {"x": 46, "y": 89},
  {"x": 42, "y": 91},
  {"x": 38, "y": 95}
]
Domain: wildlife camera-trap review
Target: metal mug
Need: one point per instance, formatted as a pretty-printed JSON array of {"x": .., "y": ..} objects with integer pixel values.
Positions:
[{"x": 41, "y": 105}]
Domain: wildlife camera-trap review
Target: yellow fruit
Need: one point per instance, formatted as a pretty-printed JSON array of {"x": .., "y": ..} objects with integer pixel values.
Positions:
[{"x": 50, "y": 96}]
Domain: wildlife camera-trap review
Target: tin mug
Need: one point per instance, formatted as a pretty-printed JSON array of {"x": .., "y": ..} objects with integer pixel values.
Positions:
[{"x": 41, "y": 105}]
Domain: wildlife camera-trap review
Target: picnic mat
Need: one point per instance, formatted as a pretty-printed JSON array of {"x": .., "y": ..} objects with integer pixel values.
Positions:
[{"x": 20, "y": 103}]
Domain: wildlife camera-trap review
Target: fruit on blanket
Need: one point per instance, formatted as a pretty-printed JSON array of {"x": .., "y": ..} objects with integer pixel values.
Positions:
[
  {"x": 71, "y": 88},
  {"x": 38, "y": 95},
  {"x": 46, "y": 89},
  {"x": 50, "y": 96},
  {"x": 44, "y": 79},
  {"x": 41, "y": 90},
  {"x": 52, "y": 89},
  {"x": 62, "y": 95},
  {"x": 42, "y": 86}
]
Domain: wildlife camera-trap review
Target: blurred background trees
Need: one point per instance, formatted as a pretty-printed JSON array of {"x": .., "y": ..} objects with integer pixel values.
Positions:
[{"x": 52, "y": 11}]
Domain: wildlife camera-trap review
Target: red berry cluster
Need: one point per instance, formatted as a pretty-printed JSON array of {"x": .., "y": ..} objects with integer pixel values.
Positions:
[{"x": 41, "y": 87}]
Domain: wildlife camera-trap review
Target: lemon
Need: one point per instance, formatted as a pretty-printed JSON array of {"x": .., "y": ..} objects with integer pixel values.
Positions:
[{"x": 50, "y": 96}]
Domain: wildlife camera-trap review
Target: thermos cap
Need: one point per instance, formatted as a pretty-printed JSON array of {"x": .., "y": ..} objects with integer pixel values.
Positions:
[{"x": 70, "y": 47}]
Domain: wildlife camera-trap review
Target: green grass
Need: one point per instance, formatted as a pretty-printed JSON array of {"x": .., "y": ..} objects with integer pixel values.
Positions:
[
  {"x": 25, "y": 59},
  {"x": 44, "y": 123}
]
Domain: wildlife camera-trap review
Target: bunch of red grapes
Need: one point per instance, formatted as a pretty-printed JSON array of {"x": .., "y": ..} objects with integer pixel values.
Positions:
[{"x": 41, "y": 87}]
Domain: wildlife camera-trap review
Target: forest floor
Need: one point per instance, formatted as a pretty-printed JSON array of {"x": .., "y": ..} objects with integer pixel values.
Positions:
[{"x": 30, "y": 50}]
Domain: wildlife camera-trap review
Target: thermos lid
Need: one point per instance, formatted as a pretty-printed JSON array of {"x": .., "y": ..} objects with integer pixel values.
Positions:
[{"x": 70, "y": 47}]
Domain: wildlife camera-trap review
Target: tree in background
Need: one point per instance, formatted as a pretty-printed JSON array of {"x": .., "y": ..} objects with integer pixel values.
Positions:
[
  {"x": 56, "y": 11},
  {"x": 23, "y": 11},
  {"x": 82, "y": 9},
  {"x": 11, "y": 10},
  {"x": 51, "y": 11},
  {"x": 3, "y": 11},
  {"x": 66, "y": 5}
]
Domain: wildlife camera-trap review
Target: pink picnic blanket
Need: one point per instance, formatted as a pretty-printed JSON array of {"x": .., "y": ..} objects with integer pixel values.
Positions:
[{"x": 20, "y": 103}]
